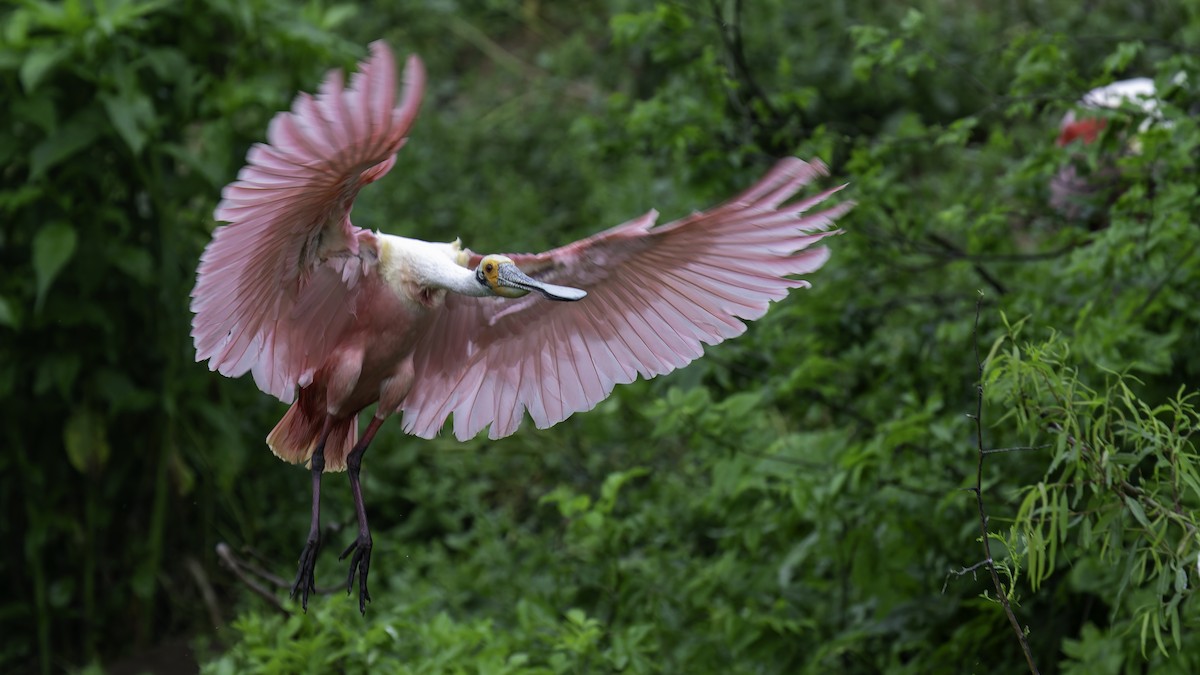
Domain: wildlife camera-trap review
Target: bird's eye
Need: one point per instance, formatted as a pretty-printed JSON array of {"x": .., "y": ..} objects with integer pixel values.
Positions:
[{"x": 489, "y": 268}]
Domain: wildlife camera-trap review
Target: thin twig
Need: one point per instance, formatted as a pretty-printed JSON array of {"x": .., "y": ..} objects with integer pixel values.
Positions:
[
  {"x": 978, "y": 490},
  {"x": 731, "y": 39},
  {"x": 1042, "y": 256},
  {"x": 1158, "y": 288},
  {"x": 493, "y": 50},
  {"x": 231, "y": 563},
  {"x": 206, "y": 591},
  {"x": 274, "y": 580},
  {"x": 1018, "y": 448},
  {"x": 246, "y": 573},
  {"x": 963, "y": 571},
  {"x": 978, "y": 267}
]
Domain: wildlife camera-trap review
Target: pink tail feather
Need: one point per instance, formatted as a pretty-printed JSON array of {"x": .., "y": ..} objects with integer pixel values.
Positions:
[{"x": 295, "y": 438}]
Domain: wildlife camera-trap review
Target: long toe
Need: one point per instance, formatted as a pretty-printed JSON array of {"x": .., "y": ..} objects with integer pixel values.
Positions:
[
  {"x": 360, "y": 561},
  {"x": 305, "y": 576},
  {"x": 364, "y": 596}
]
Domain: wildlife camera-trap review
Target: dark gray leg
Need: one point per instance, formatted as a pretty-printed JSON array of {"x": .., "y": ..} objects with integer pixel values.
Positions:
[
  {"x": 305, "y": 579},
  {"x": 361, "y": 560}
]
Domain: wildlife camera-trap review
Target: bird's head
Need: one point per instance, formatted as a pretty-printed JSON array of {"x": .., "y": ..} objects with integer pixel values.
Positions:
[{"x": 500, "y": 275}]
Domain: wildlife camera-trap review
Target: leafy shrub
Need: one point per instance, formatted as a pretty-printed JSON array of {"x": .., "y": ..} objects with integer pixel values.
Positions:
[{"x": 123, "y": 459}]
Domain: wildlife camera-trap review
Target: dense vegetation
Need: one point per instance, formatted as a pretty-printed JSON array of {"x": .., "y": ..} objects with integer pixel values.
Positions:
[{"x": 807, "y": 498}]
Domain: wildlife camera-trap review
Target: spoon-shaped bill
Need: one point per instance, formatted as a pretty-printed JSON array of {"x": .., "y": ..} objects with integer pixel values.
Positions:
[{"x": 510, "y": 275}]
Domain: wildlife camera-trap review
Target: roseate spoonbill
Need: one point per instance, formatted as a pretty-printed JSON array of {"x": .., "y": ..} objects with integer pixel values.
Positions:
[
  {"x": 1073, "y": 194},
  {"x": 331, "y": 318},
  {"x": 1138, "y": 91}
]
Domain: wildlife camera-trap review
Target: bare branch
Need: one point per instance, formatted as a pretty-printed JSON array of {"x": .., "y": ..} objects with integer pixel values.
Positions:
[
  {"x": 963, "y": 571},
  {"x": 246, "y": 573},
  {"x": 983, "y": 273},
  {"x": 1018, "y": 448},
  {"x": 253, "y": 568},
  {"x": 231, "y": 563},
  {"x": 206, "y": 591},
  {"x": 978, "y": 490},
  {"x": 731, "y": 39}
]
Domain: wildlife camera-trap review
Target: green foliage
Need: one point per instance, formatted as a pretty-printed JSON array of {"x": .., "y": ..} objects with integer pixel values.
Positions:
[
  {"x": 412, "y": 639},
  {"x": 1120, "y": 491},
  {"x": 800, "y": 500},
  {"x": 122, "y": 459}
]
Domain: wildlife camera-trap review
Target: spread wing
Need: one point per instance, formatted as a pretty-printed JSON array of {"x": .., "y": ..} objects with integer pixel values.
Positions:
[
  {"x": 276, "y": 284},
  {"x": 655, "y": 295}
]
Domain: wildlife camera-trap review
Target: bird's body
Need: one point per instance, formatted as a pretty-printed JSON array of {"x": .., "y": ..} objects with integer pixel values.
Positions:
[
  {"x": 1138, "y": 93},
  {"x": 332, "y": 318},
  {"x": 1075, "y": 192},
  {"x": 372, "y": 359}
]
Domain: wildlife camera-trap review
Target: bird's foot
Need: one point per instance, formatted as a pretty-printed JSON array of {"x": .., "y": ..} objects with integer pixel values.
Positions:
[
  {"x": 305, "y": 577},
  {"x": 360, "y": 562}
]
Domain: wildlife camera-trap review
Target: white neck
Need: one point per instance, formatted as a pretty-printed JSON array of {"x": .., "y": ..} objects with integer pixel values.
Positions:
[
  {"x": 457, "y": 279},
  {"x": 425, "y": 264}
]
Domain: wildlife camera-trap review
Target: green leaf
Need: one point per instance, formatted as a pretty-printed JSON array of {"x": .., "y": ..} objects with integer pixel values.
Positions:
[
  {"x": 142, "y": 582},
  {"x": 52, "y": 248},
  {"x": 7, "y": 317},
  {"x": 124, "y": 14},
  {"x": 1138, "y": 512},
  {"x": 136, "y": 262},
  {"x": 131, "y": 113},
  {"x": 1124, "y": 55},
  {"x": 207, "y": 167},
  {"x": 75, "y": 135},
  {"x": 37, "y": 110},
  {"x": 86, "y": 441},
  {"x": 612, "y": 486},
  {"x": 119, "y": 392},
  {"x": 36, "y": 65},
  {"x": 912, "y": 21},
  {"x": 57, "y": 371},
  {"x": 338, "y": 15}
]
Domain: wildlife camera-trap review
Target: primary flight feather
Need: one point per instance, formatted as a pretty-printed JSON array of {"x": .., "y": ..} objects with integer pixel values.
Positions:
[{"x": 332, "y": 318}]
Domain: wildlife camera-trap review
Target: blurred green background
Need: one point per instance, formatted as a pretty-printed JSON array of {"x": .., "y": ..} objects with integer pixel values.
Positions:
[{"x": 797, "y": 501}]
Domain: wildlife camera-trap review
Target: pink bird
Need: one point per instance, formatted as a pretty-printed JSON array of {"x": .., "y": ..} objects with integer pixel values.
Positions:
[
  {"x": 1079, "y": 195},
  {"x": 332, "y": 318}
]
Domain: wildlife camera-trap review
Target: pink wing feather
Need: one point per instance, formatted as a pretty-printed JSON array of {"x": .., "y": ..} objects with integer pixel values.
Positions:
[
  {"x": 276, "y": 284},
  {"x": 655, "y": 294}
]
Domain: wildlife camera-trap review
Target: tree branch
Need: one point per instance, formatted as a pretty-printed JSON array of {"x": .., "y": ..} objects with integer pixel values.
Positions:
[
  {"x": 979, "y": 269},
  {"x": 963, "y": 571},
  {"x": 246, "y": 573},
  {"x": 1018, "y": 448},
  {"x": 232, "y": 564},
  {"x": 732, "y": 40},
  {"x": 978, "y": 490}
]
